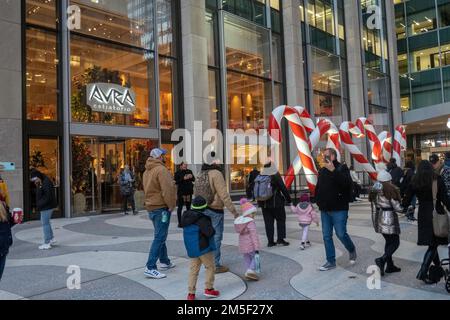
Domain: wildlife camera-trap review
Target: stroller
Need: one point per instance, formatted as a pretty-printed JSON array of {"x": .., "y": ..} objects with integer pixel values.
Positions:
[{"x": 446, "y": 262}]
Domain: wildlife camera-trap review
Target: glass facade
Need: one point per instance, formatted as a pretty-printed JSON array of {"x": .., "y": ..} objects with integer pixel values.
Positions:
[
  {"x": 123, "y": 64},
  {"x": 423, "y": 36}
]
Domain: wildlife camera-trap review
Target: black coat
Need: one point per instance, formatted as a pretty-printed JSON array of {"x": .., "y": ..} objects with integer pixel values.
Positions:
[
  {"x": 203, "y": 222},
  {"x": 334, "y": 189},
  {"x": 280, "y": 196},
  {"x": 407, "y": 178},
  {"x": 426, "y": 235},
  {"x": 185, "y": 187},
  {"x": 397, "y": 175},
  {"x": 45, "y": 195},
  {"x": 6, "y": 239}
]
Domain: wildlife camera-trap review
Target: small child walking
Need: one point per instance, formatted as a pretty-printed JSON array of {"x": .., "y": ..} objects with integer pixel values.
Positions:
[
  {"x": 306, "y": 215},
  {"x": 248, "y": 239},
  {"x": 198, "y": 233}
]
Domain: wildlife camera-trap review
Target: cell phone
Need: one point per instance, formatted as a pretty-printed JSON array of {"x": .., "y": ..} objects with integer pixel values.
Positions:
[
  {"x": 7, "y": 166},
  {"x": 327, "y": 159}
]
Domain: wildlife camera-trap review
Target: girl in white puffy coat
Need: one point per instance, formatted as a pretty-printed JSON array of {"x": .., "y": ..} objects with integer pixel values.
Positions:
[{"x": 306, "y": 215}]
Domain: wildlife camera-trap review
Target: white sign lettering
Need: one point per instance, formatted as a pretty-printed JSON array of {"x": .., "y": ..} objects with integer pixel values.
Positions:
[{"x": 108, "y": 97}]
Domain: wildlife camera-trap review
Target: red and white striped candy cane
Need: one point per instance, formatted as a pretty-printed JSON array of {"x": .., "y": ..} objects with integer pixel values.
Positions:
[
  {"x": 366, "y": 127},
  {"x": 399, "y": 144},
  {"x": 346, "y": 140},
  {"x": 300, "y": 137},
  {"x": 386, "y": 144}
]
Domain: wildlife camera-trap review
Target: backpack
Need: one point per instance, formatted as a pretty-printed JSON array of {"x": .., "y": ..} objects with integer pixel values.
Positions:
[
  {"x": 202, "y": 187},
  {"x": 191, "y": 235},
  {"x": 262, "y": 189}
]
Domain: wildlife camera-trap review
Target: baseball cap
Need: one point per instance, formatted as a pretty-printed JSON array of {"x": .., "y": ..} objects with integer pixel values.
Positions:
[
  {"x": 157, "y": 152},
  {"x": 434, "y": 158}
]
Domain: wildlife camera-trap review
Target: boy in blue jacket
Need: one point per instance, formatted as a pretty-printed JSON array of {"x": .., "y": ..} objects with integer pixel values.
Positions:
[{"x": 198, "y": 234}]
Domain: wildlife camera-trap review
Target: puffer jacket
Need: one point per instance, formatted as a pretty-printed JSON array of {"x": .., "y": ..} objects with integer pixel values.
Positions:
[
  {"x": 248, "y": 235},
  {"x": 305, "y": 213},
  {"x": 159, "y": 187},
  {"x": 198, "y": 241},
  {"x": 384, "y": 215},
  {"x": 218, "y": 185}
]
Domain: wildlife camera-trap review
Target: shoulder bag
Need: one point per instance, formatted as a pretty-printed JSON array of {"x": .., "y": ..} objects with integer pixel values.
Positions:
[{"x": 441, "y": 224}]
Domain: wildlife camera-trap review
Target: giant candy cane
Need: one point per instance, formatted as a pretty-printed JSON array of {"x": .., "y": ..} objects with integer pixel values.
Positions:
[
  {"x": 399, "y": 143},
  {"x": 293, "y": 115}
]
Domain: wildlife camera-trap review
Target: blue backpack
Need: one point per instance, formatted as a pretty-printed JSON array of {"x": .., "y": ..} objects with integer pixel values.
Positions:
[
  {"x": 262, "y": 189},
  {"x": 191, "y": 235}
]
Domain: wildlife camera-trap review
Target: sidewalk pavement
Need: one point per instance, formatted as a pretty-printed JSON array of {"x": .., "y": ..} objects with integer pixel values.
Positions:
[{"x": 111, "y": 251}]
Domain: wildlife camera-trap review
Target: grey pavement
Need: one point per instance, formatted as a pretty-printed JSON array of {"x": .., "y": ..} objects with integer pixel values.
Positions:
[{"x": 111, "y": 252}]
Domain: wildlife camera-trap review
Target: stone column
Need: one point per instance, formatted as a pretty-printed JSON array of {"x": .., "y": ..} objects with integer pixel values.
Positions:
[
  {"x": 11, "y": 143},
  {"x": 295, "y": 80},
  {"x": 393, "y": 63},
  {"x": 195, "y": 67}
]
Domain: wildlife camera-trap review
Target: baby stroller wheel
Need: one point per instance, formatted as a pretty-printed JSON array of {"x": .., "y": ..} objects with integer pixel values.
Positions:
[{"x": 446, "y": 262}]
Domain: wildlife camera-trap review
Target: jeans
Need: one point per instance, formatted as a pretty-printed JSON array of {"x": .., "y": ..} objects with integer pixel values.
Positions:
[
  {"x": 46, "y": 225},
  {"x": 217, "y": 220},
  {"x": 338, "y": 221},
  {"x": 270, "y": 215},
  {"x": 158, "y": 249},
  {"x": 2, "y": 265}
]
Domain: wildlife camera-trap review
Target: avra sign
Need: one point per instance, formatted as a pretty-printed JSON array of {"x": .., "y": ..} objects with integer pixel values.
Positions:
[{"x": 109, "y": 97}]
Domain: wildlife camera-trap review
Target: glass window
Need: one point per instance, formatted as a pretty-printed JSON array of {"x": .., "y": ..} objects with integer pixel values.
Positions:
[
  {"x": 214, "y": 98},
  {"x": 93, "y": 62},
  {"x": 402, "y": 64},
  {"x": 41, "y": 75},
  {"x": 41, "y": 12},
  {"x": 426, "y": 88},
  {"x": 400, "y": 22},
  {"x": 166, "y": 31},
  {"x": 379, "y": 117},
  {"x": 249, "y": 101},
  {"x": 247, "y": 47},
  {"x": 166, "y": 92},
  {"x": 211, "y": 37},
  {"x": 444, "y": 15},
  {"x": 278, "y": 98},
  {"x": 277, "y": 64},
  {"x": 421, "y": 16},
  {"x": 446, "y": 81},
  {"x": 124, "y": 21},
  {"x": 377, "y": 88},
  {"x": 424, "y": 59},
  {"x": 275, "y": 4},
  {"x": 329, "y": 106},
  {"x": 326, "y": 75}
]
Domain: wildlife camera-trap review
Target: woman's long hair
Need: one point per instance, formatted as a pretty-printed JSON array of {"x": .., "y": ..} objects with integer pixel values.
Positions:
[
  {"x": 3, "y": 212},
  {"x": 391, "y": 192},
  {"x": 424, "y": 175}
]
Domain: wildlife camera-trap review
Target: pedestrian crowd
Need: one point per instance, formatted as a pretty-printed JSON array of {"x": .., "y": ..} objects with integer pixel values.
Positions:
[{"x": 205, "y": 197}]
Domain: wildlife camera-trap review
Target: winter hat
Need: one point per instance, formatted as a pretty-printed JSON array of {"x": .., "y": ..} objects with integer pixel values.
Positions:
[
  {"x": 304, "y": 197},
  {"x": 384, "y": 176},
  {"x": 157, "y": 152},
  {"x": 34, "y": 174},
  {"x": 247, "y": 207},
  {"x": 199, "y": 203}
]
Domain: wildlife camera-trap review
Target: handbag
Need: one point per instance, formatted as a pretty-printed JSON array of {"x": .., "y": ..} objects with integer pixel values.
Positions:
[{"x": 441, "y": 225}]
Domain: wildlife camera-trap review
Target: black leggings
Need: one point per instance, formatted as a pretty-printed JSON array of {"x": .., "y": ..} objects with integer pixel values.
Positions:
[
  {"x": 270, "y": 215},
  {"x": 392, "y": 244}
]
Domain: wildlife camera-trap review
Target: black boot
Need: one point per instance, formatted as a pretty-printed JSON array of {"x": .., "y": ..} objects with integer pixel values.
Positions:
[
  {"x": 423, "y": 272},
  {"x": 391, "y": 268},
  {"x": 381, "y": 262}
]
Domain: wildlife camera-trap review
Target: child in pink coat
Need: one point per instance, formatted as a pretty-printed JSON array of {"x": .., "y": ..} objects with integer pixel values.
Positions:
[
  {"x": 306, "y": 215},
  {"x": 248, "y": 239}
]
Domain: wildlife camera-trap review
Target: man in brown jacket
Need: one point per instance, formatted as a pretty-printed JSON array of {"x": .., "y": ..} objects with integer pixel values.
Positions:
[
  {"x": 160, "y": 200},
  {"x": 215, "y": 209}
]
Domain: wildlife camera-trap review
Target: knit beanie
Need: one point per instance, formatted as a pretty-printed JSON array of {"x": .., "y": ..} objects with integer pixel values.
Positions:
[
  {"x": 199, "y": 203},
  {"x": 247, "y": 207},
  {"x": 304, "y": 197}
]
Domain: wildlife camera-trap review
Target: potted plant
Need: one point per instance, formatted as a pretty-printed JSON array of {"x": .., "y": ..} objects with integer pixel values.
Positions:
[{"x": 81, "y": 164}]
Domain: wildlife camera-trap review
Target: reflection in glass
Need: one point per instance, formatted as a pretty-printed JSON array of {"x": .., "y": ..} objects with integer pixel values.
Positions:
[
  {"x": 41, "y": 75},
  {"x": 41, "y": 12},
  {"x": 166, "y": 94}
]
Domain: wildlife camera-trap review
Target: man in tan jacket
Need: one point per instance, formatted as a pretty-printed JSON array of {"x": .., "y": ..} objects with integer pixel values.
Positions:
[
  {"x": 215, "y": 209},
  {"x": 160, "y": 200}
]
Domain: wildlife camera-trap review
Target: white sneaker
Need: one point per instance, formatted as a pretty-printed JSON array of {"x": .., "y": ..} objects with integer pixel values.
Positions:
[
  {"x": 154, "y": 274},
  {"x": 251, "y": 275},
  {"x": 53, "y": 242},
  {"x": 45, "y": 246},
  {"x": 302, "y": 246},
  {"x": 164, "y": 266}
]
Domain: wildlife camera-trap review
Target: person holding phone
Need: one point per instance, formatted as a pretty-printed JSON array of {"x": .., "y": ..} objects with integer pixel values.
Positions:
[
  {"x": 333, "y": 195},
  {"x": 184, "y": 179}
]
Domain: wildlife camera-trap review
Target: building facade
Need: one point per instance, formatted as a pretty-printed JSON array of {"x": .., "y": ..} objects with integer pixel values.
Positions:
[
  {"x": 86, "y": 100},
  {"x": 423, "y": 33}
]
